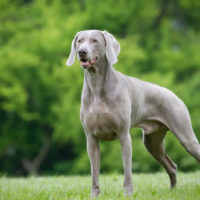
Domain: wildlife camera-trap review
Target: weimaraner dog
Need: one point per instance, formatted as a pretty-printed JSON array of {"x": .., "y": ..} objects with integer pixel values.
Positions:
[{"x": 112, "y": 103}]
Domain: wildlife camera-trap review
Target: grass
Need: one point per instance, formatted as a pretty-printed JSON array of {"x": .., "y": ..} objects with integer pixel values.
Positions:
[{"x": 146, "y": 187}]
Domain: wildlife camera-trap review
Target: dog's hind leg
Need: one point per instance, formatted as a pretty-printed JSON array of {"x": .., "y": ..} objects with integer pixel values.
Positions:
[
  {"x": 154, "y": 142},
  {"x": 181, "y": 126},
  {"x": 188, "y": 139}
]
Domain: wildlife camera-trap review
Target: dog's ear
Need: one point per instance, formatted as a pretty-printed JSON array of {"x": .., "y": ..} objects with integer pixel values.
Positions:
[
  {"x": 72, "y": 55},
  {"x": 112, "y": 47}
]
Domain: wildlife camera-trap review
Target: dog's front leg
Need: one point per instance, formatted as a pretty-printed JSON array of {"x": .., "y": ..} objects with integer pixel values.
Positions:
[
  {"x": 94, "y": 155},
  {"x": 126, "y": 148}
]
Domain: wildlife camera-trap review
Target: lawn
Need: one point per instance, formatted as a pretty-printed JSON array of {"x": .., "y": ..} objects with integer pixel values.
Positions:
[{"x": 146, "y": 187}]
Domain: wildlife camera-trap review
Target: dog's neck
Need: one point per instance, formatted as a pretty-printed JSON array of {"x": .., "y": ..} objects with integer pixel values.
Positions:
[{"x": 95, "y": 77}]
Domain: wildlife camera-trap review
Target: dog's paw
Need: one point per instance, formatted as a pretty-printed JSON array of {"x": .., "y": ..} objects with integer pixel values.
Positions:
[
  {"x": 128, "y": 190},
  {"x": 95, "y": 193}
]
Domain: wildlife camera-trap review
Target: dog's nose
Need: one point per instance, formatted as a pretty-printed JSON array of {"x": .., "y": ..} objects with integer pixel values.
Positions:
[{"x": 82, "y": 52}]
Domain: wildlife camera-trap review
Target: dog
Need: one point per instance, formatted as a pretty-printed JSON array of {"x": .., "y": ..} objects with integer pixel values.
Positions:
[{"x": 112, "y": 103}]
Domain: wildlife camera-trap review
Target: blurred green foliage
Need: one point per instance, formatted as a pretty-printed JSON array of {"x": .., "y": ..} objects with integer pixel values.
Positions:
[{"x": 40, "y": 130}]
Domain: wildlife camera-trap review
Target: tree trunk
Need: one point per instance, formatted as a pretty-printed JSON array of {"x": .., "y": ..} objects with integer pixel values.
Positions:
[
  {"x": 33, "y": 166},
  {"x": 163, "y": 9}
]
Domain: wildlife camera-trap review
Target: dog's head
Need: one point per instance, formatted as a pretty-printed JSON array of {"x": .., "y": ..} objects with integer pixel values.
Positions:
[{"x": 91, "y": 45}]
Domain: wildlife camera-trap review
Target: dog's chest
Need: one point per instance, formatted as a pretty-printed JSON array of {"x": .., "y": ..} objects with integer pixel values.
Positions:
[{"x": 99, "y": 119}]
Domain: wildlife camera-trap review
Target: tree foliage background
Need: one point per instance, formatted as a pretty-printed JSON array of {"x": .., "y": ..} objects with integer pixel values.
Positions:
[{"x": 40, "y": 130}]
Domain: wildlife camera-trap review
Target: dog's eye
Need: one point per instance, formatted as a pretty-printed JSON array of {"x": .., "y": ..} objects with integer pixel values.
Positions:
[
  {"x": 79, "y": 41},
  {"x": 94, "y": 41}
]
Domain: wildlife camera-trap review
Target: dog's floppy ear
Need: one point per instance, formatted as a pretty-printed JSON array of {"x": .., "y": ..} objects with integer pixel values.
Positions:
[
  {"x": 72, "y": 55},
  {"x": 112, "y": 47}
]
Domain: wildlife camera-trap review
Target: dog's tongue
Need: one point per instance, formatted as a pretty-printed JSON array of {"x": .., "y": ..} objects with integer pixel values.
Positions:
[
  {"x": 85, "y": 64},
  {"x": 88, "y": 63}
]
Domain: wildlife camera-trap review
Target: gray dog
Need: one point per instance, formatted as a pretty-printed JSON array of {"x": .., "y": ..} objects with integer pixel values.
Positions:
[{"x": 112, "y": 103}]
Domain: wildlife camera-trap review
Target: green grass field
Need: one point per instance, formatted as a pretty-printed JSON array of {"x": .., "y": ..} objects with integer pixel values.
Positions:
[{"x": 146, "y": 187}]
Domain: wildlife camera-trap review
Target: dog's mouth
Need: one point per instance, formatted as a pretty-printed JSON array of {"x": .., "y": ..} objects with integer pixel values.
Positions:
[{"x": 86, "y": 63}]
